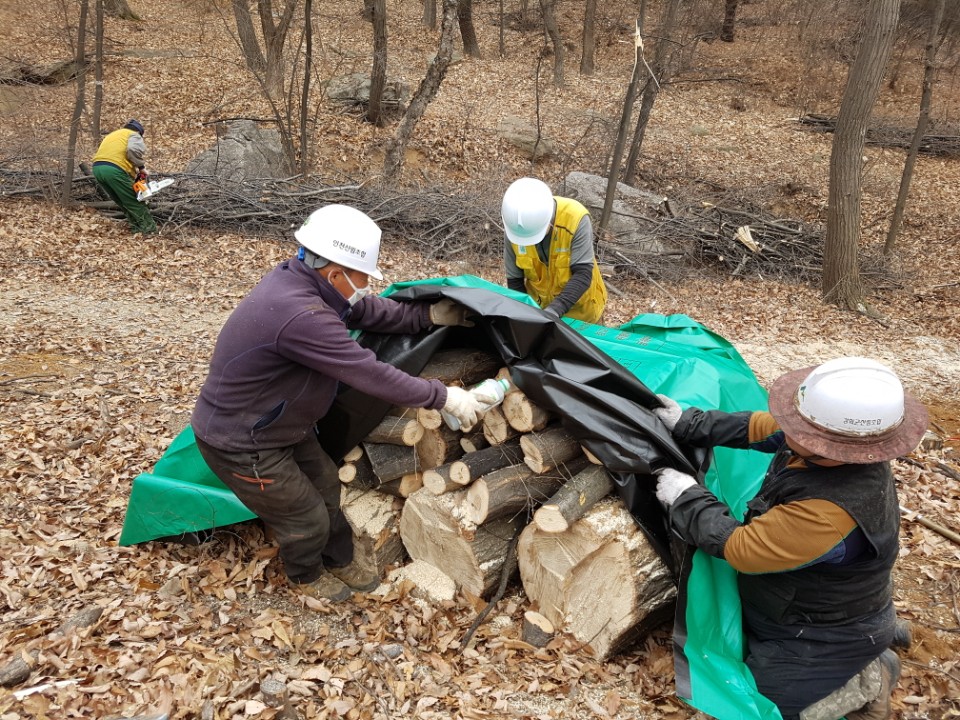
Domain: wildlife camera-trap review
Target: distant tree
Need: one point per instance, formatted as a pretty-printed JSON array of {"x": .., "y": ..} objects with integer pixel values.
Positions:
[
  {"x": 547, "y": 8},
  {"x": 78, "y": 105},
  {"x": 368, "y": 10},
  {"x": 502, "y": 43},
  {"x": 638, "y": 70},
  {"x": 729, "y": 20},
  {"x": 120, "y": 9},
  {"x": 926, "y": 95},
  {"x": 378, "y": 74},
  {"x": 841, "y": 283},
  {"x": 393, "y": 160},
  {"x": 97, "y": 70},
  {"x": 430, "y": 13},
  {"x": 589, "y": 41},
  {"x": 468, "y": 32},
  {"x": 659, "y": 75},
  {"x": 305, "y": 88},
  {"x": 269, "y": 60}
]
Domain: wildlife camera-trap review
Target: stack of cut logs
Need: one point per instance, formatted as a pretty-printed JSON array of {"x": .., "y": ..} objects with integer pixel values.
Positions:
[{"x": 455, "y": 500}]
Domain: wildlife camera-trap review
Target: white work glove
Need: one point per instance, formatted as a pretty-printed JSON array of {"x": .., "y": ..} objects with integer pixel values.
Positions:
[
  {"x": 670, "y": 413},
  {"x": 463, "y": 405},
  {"x": 447, "y": 312},
  {"x": 671, "y": 484}
]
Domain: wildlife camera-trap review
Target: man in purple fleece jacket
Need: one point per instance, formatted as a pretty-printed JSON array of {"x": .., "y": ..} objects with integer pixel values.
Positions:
[{"x": 274, "y": 373}]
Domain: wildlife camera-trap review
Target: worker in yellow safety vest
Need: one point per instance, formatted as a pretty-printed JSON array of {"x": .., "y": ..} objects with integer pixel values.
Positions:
[
  {"x": 118, "y": 164},
  {"x": 548, "y": 251}
]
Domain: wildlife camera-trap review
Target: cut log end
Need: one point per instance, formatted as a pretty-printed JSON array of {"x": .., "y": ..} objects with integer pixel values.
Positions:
[{"x": 537, "y": 630}]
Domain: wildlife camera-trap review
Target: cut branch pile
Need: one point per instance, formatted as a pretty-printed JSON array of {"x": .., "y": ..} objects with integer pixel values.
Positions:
[
  {"x": 888, "y": 135},
  {"x": 414, "y": 491},
  {"x": 442, "y": 223}
]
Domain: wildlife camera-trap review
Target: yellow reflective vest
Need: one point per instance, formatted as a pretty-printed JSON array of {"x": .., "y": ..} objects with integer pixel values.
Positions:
[
  {"x": 113, "y": 149},
  {"x": 545, "y": 282}
]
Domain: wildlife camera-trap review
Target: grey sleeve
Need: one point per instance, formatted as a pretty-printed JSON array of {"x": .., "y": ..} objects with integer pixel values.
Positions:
[
  {"x": 510, "y": 262},
  {"x": 581, "y": 249},
  {"x": 137, "y": 150}
]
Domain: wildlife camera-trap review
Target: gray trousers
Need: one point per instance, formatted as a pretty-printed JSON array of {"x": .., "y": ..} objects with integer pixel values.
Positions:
[{"x": 296, "y": 492}]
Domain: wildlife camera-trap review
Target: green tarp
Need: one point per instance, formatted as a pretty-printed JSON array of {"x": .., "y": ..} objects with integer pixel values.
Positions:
[{"x": 672, "y": 355}]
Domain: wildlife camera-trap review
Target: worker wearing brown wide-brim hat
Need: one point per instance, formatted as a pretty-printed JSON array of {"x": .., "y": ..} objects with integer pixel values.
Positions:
[{"x": 816, "y": 548}]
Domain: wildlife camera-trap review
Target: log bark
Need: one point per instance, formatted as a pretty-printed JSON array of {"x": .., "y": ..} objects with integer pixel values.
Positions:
[
  {"x": 461, "y": 367},
  {"x": 499, "y": 493},
  {"x": 404, "y": 486},
  {"x": 468, "y": 468},
  {"x": 455, "y": 475},
  {"x": 523, "y": 414},
  {"x": 472, "y": 556},
  {"x": 375, "y": 519},
  {"x": 396, "y": 431},
  {"x": 512, "y": 490},
  {"x": 439, "y": 446},
  {"x": 537, "y": 630},
  {"x": 474, "y": 441},
  {"x": 574, "y": 499},
  {"x": 496, "y": 429},
  {"x": 359, "y": 474},
  {"x": 564, "y": 573},
  {"x": 549, "y": 449},
  {"x": 391, "y": 461}
]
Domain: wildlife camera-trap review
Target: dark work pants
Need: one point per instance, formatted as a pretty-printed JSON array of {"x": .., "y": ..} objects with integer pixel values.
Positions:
[
  {"x": 296, "y": 492},
  {"x": 119, "y": 186}
]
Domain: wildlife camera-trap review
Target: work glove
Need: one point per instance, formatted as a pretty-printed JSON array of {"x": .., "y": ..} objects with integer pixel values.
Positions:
[
  {"x": 670, "y": 413},
  {"x": 671, "y": 484},
  {"x": 447, "y": 312},
  {"x": 463, "y": 405}
]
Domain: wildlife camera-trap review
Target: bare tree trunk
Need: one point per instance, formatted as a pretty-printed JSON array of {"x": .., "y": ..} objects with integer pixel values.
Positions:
[
  {"x": 252, "y": 54},
  {"x": 393, "y": 161},
  {"x": 78, "y": 105},
  {"x": 929, "y": 72},
  {"x": 841, "y": 273},
  {"x": 614, "y": 172},
  {"x": 274, "y": 40},
  {"x": 369, "y": 10},
  {"x": 503, "y": 45},
  {"x": 729, "y": 20},
  {"x": 305, "y": 94},
  {"x": 467, "y": 31},
  {"x": 378, "y": 74},
  {"x": 120, "y": 9},
  {"x": 550, "y": 25},
  {"x": 661, "y": 72},
  {"x": 589, "y": 40},
  {"x": 430, "y": 13},
  {"x": 98, "y": 71}
]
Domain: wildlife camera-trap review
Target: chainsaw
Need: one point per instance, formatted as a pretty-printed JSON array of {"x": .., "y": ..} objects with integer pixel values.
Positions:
[{"x": 147, "y": 189}]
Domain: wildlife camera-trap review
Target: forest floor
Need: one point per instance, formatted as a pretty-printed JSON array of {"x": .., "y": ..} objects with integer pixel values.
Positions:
[{"x": 107, "y": 335}]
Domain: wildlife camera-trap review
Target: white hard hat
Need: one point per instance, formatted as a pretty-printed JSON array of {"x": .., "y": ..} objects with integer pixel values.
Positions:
[
  {"x": 851, "y": 409},
  {"x": 343, "y": 235},
  {"x": 527, "y": 211}
]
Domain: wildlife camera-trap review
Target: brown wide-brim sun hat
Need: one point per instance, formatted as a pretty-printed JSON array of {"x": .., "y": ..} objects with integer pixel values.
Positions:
[{"x": 860, "y": 450}]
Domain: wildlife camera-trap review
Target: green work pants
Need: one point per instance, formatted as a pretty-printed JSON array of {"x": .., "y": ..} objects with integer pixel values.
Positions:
[{"x": 119, "y": 186}]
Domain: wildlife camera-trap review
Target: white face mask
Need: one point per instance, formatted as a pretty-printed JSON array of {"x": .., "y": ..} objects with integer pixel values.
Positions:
[{"x": 358, "y": 293}]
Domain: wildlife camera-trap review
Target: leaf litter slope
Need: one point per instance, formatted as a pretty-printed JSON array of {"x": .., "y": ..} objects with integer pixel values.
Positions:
[{"x": 107, "y": 342}]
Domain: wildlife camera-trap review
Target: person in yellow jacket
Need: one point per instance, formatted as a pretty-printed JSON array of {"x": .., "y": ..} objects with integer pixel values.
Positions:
[
  {"x": 119, "y": 160},
  {"x": 548, "y": 251}
]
